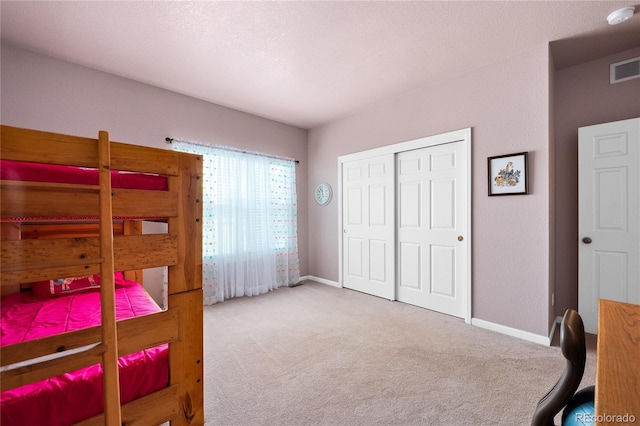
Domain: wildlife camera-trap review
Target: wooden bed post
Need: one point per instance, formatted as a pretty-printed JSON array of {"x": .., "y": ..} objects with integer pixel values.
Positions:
[
  {"x": 9, "y": 231},
  {"x": 110, "y": 377},
  {"x": 185, "y": 293},
  {"x": 133, "y": 227}
]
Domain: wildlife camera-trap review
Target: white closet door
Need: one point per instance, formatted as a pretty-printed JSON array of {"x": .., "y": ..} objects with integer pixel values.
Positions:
[
  {"x": 609, "y": 216},
  {"x": 368, "y": 225},
  {"x": 432, "y": 228}
]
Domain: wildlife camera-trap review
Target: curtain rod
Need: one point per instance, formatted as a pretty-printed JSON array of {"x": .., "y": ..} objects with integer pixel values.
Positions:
[{"x": 228, "y": 148}]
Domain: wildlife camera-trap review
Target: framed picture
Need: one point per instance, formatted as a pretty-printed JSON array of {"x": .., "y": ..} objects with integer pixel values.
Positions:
[{"x": 508, "y": 174}]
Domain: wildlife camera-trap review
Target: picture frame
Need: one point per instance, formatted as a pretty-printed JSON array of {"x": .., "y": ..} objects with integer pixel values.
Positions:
[{"x": 508, "y": 174}]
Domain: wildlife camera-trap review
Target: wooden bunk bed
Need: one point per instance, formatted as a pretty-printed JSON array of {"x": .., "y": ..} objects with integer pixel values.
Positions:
[{"x": 81, "y": 242}]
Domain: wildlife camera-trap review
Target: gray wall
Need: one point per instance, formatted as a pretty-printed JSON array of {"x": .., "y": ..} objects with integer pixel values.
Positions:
[
  {"x": 524, "y": 247},
  {"x": 583, "y": 96},
  {"x": 43, "y": 93},
  {"x": 507, "y": 106}
]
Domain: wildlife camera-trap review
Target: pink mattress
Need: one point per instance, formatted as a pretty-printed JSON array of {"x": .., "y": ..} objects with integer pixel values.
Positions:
[
  {"x": 75, "y": 396},
  {"x": 36, "y": 172}
]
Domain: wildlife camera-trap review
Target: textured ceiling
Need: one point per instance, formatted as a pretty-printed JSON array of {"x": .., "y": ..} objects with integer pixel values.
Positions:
[{"x": 308, "y": 63}]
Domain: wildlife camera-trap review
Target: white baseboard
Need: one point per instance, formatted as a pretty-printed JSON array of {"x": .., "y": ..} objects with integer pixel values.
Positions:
[
  {"x": 321, "y": 281},
  {"x": 514, "y": 332},
  {"x": 556, "y": 323}
]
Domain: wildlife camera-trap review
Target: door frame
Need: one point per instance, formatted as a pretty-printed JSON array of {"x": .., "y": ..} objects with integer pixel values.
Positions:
[{"x": 462, "y": 135}]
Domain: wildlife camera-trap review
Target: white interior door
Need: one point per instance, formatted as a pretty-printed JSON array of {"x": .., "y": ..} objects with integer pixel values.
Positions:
[
  {"x": 432, "y": 228},
  {"x": 609, "y": 216},
  {"x": 368, "y": 225}
]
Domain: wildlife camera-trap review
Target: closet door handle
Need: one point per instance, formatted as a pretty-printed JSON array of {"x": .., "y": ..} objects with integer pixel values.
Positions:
[{"x": 587, "y": 240}]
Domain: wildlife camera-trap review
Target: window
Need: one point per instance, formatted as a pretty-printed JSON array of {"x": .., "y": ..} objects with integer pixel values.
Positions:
[{"x": 250, "y": 243}]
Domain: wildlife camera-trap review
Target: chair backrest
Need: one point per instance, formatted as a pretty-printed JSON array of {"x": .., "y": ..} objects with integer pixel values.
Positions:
[{"x": 572, "y": 343}]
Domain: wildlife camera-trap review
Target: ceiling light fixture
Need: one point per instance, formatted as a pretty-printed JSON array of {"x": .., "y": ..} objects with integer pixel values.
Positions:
[{"x": 620, "y": 15}]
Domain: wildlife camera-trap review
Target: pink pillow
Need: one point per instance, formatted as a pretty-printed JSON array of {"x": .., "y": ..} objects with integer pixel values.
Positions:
[
  {"x": 118, "y": 278},
  {"x": 62, "y": 286}
]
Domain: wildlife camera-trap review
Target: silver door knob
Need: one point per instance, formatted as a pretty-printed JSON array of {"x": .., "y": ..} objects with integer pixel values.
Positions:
[{"x": 587, "y": 240}]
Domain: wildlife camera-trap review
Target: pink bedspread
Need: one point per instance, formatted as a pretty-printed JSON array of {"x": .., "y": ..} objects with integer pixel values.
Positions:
[
  {"x": 75, "y": 396},
  {"x": 36, "y": 172}
]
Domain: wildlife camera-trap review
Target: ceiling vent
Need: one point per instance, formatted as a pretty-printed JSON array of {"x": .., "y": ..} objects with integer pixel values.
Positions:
[{"x": 625, "y": 70}]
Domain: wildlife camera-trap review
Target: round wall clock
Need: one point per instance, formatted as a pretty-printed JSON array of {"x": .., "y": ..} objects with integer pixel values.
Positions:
[{"x": 323, "y": 194}]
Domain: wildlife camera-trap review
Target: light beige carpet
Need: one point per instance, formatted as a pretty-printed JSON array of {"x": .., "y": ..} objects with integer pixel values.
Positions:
[{"x": 319, "y": 355}]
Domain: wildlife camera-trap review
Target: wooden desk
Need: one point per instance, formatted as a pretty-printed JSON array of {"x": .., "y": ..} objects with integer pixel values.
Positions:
[{"x": 618, "y": 364}]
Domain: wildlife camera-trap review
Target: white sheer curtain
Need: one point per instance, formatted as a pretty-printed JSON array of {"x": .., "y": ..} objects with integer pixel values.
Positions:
[{"x": 250, "y": 242}]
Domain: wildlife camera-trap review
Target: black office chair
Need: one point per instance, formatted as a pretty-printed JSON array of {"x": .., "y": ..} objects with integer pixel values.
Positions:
[{"x": 563, "y": 394}]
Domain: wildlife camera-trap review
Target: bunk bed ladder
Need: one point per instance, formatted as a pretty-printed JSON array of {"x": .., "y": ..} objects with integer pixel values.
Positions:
[{"x": 110, "y": 378}]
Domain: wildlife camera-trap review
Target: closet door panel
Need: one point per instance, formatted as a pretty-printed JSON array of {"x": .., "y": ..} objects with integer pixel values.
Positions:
[
  {"x": 432, "y": 222},
  {"x": 368, "y": 226}
]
